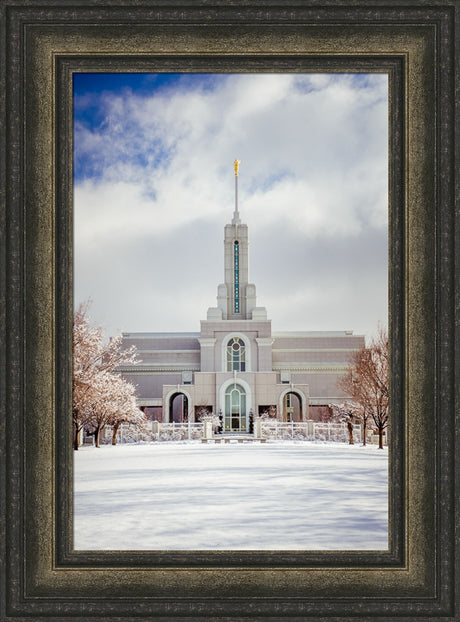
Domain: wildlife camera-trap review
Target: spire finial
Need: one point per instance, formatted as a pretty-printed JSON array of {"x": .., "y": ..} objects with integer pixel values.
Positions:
[{"x": 236, "y": 215}]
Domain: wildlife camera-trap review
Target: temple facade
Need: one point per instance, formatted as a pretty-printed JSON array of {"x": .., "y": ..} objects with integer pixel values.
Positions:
[{"x": 236, "y": 367}]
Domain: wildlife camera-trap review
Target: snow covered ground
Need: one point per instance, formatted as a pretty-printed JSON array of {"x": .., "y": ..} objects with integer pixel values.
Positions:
[{"x": 281, "y": 495}]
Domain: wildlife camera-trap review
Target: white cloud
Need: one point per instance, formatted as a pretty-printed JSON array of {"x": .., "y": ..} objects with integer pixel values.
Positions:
[{"x": 314, "y": 161}]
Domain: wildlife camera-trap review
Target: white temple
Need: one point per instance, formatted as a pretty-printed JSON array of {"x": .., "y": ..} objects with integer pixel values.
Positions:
[{"x": 235, "y": 366}]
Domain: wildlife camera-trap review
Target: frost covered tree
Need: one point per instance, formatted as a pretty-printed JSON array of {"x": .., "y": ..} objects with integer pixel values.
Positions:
[
  {"x": 115, "y": 403},
  {"x": 367, "y": 382},
  {"x": 347, "y": 413},
  {"x": 204, "y": 413},
  {"x": 94, "y": 363},
  {"x": 126, "y": 410},
  {"x": 201, "y": 412},
  {"x": 354, "y": 412}
]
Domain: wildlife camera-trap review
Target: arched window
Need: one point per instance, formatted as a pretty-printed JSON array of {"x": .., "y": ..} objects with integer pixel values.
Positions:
[
  {"x": 235, "y": 409},
  {"x": 236, "y": 355}
]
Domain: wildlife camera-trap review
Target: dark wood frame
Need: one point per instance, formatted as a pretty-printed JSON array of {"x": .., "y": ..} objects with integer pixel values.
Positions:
[{"x": 43, "y": 43}]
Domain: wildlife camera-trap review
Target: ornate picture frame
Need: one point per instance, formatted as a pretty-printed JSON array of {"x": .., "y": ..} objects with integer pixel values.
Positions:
[{"x": 43, "y": 44}]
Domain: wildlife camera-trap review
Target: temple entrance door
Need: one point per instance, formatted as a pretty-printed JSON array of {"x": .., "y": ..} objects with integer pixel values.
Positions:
[{"x": 236, "y": 419}]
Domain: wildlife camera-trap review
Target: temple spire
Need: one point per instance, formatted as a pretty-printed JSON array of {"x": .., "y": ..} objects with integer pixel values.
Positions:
[{"x": 236, "y": 215}]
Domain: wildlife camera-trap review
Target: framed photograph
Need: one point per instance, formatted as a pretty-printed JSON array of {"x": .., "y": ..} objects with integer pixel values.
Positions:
[
  {"x": 46, "y": 47},
  {"x": 155, "y": 191}
]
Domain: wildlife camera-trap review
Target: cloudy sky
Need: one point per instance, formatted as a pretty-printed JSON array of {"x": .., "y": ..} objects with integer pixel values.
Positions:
[{"x": 154, "y": 187}]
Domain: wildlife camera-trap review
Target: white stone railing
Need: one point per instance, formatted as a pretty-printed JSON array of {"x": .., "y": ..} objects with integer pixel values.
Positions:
[
  {"x": 308, "y": 431},
  {"x": 154, "y": 431},
  {"x": 176, "y": 431},
  {"x": 269, "y": 429}
]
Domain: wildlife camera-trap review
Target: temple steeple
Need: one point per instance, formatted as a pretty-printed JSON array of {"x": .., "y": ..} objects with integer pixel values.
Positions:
[
  {"x": 236, "y": 297},
  {"x": 236, "y": 215}
]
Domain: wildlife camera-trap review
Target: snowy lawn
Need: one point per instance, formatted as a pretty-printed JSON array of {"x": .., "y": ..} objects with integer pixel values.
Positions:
[{"x": 279, "y": 495}]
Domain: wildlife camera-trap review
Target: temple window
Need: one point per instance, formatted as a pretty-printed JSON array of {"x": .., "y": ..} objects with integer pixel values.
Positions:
[
  {"x": 236, "y": 257},
  {"x": 236, "y": 355}
]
